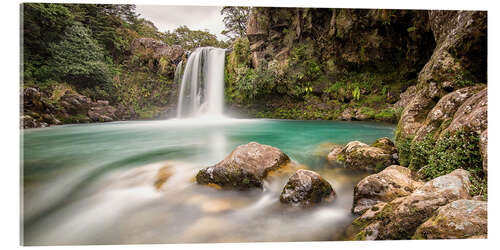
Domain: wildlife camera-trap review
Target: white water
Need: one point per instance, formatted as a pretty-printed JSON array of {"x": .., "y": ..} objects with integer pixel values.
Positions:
[{"x": 202, "y": 87}]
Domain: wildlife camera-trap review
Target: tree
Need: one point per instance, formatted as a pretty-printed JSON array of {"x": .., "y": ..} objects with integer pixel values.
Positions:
[
  {"x": 78, "y": 59},
  {"x": 235, "y": 20},
  {"x": 43, "y": 23},
  {"x": 190, "y": 39}
]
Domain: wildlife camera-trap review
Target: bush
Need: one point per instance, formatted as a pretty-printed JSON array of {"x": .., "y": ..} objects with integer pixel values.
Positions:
[
  {"x": 78, "y": 59},
  {"x": 420, "y": 152},
  {"x": 453, "y": 151},
  {"x": 404, "y": 150}
]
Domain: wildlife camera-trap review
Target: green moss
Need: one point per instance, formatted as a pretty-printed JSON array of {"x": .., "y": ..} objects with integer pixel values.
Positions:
[
  {"x": 404, "y": 150},
  {"x": 420, "y": 152},
  {"x": 340, "y": 157}
]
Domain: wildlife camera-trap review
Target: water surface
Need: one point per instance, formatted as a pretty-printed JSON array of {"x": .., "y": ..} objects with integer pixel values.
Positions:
[{"x": 93, "y": 183}]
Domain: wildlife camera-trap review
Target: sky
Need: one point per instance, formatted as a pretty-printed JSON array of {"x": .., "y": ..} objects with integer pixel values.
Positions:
[{"x": 195, "y": 17}]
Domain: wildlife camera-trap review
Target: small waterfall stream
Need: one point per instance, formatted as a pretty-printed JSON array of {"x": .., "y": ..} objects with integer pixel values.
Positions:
[{"x": 202, "y": 86}]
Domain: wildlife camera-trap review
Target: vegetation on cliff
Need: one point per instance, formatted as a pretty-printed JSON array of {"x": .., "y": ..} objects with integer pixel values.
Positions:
[{"x": 89, "y": 49}]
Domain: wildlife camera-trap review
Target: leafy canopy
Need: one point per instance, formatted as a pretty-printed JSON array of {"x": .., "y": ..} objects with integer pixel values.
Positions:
[{"x": 78, "y": 59}]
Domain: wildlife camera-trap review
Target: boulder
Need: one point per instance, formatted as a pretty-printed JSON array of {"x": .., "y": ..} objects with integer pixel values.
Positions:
[
  {"x": 347, "y": 114},
  {"x": 385, "y": 144},
  {"x": 471, "y": 115},
  {"x": 414, "y": 114},
  {"x": 101, "y": 111},
  {"x": 157, "y": 49},
  {"x": 306, "y": 188},
  {"x": 460, "y": 47},
  {"x": 400, "y": 218},
  {"x": 74, "y": 103},
  {"x": 358, "y": 155},
  {"x": 333, "y": 154},
  {"x": 163, "y": 174},
  {"x": 32, "y": 98},
  {"x": 459, "y": 219},
  {"x": 246, "y": 167},
  {"x": 393, "y": 182},
  {"x": 444, "y": 111}
]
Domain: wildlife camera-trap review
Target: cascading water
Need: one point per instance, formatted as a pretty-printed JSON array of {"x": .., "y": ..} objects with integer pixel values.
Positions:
[{"x": 202, "y": 86}]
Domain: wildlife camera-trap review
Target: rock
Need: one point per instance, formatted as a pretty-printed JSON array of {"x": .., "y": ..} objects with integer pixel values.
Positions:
[
  {"x": 358, "y": 155},
  {"x": 460, "y": 47},
  {"x": 164, "y": 173},
  {"x": 347, "y": 114},
  {"x": 246, "y": 167},
  {"x": 406, "y": 97},
  {"x": 459, "y": 219},
  {"x": 156, "y": 52},
  {"x": 75, "y": 103},
  {"x": 393, "y": 182},
  {"x": 385, "y": 144},
  {"x": 28, "y": 122},
  {"x": 101, "y": 111},
  {"x": 414, "y": 114},
  {"x": 444, "y": 111},
  {"x": 400, "y": 218},
  {"x": 471, "y": 115},
  {"x": 157, "y": 48},
  {"x": 333, "y": 154},
  {"x": 32, "y": 98},
  {"x": 483, "y": 146},
  {"x": 306, "y": 188}
]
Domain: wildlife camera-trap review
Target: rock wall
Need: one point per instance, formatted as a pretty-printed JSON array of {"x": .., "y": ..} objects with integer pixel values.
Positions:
[
  {"x": 350, "y": 39},
  {"x": 40, "y": 111}
]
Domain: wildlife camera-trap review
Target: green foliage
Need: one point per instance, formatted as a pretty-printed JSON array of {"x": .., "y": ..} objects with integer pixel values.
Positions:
[
  {"x": 388, "y": 114},
  {"x": 462, "y": 81},
  {"x": 411, "y": 29},
  {"x": 420, "y": 152},
  {"x": 43, "y": 23},
  {"x": 303, "y": 71},
  {"x": 235, "y": 21},
  {"x": 191, "y": 39},
  {"x": 404, "y": 150},
  {"x": 356, "y": 93},
  {"x": 453, "y": 151},
  {"x": 78, "y": 59}
]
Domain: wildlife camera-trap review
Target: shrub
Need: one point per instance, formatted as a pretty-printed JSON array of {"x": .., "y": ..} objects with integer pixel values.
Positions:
[
  {"x": 420, "y": 152},
  {"x": 78, "y": 59},
  {"x": 404, "y": 150}
]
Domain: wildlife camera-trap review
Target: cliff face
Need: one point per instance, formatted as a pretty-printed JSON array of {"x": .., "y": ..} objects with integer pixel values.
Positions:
[
  {"x": 344, "y": 64},
  {"x": 345, "y": 39}
]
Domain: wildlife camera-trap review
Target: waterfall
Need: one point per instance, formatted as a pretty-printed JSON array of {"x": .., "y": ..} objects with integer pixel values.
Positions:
[
  {"x": 178, "y": 72},
  {"x": 202, "y": 86}
]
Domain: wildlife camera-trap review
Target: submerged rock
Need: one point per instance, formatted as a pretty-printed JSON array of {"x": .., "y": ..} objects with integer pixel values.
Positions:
[
  {"x": 306, "y": 188},
  {"x": 358, "y": 155},
  {"x": 459, "y": 219},
  {"x": 393, "y": 182},
  {"x": 164, "y": 173},
  {"x": 246, "y": 167},
  {"x": 400, "y": 218},
  {"x": 333, "y": 155}
]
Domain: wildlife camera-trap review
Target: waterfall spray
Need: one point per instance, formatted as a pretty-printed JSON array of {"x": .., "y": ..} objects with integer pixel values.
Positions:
[{"x": 202, "y": 86}]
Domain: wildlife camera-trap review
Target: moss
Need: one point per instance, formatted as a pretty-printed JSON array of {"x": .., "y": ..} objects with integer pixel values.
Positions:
[
  {"x": 420, "y": 152},
  {"x": 340, "y": 157},
  {"x": 404, "y": 150}
]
